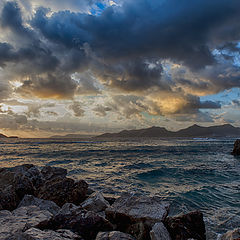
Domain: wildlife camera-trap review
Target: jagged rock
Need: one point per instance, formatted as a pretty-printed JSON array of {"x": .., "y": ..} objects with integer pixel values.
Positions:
[
  {"x": 86, "y": 224},
  {"x": 136, "y": 215},
  {"x": 53, "y": 172},
  {"x": 9, "y": 199},
  {"x": 63, "y": 191},
  {"x": 236, "y": 148},
  {"x": 186, "y": 226},
  {"x": 231, "y": 235},
  {"x": 21, "y": 219},
  {"x": 95, "y": 203},
  {"x": 50, "y": 206},
  {"x": 15, "y": 183},
  {"x": 36, "y": 234},
  {"x": 115, "y": 235},
  {"x": 159, "y": 232},
  {"x": 69, "y": 208},
  {"x": 151, "y": 208}
]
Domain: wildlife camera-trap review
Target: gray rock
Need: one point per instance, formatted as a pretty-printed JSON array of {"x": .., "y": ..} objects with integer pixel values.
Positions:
[
  {"x": 136, "y": 215},
  {"x": 53, "y": 172},
  {"x": 151, "y": 208},
  {"x": 231, "y": 235},
  {"x": 30, "y": 200},
  {"x": 15, "y": 183},
  {"x": 36, "y": 234},
  {"x": 159, "y": 232},
  {"x": 236, "y": 148},
  {"x": 63, "y": 190},
  {"x": 187, "y": 226},
  {"x": 95, "y": 203},
  {"x": 21, "y": 219},
  {"x": 115, "y": 235},
  {"x": 85, "y": 223},
  {"x": 69, "y": 208}
]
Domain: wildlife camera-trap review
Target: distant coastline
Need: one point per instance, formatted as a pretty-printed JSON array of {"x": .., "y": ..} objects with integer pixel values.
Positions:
[
  {"x": 194, "y": 131},
  {"x": 4, "y": 136}
]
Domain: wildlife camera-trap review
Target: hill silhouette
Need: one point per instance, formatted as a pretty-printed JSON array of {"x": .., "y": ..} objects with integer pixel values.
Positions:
[{"x": 226, "y": 130}]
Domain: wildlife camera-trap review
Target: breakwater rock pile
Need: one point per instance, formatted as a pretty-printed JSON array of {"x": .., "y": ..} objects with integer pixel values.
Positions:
[{"x": 43, "y": 203}]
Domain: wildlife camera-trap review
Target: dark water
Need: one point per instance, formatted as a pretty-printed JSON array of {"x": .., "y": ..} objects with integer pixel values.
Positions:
[{"x": 191, "y": 174}]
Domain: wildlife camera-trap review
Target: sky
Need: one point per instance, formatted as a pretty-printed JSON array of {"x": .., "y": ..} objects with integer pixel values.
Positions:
[{"x": 90, "y": 66}]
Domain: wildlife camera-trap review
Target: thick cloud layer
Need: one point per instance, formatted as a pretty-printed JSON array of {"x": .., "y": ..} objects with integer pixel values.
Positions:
[{"x": 154, "y": 57}]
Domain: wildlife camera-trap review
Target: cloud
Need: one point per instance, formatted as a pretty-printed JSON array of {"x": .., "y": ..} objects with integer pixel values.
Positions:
[
  {"x": 49, "y": 86},
  {"x": 150, "y": 57},
  {"x": 76, "y": 107}
]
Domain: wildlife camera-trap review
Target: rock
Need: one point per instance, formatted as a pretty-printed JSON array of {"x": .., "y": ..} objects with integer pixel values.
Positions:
[
  {"x": 9, "y": 199},
  {"x": 15, "y": 183},
  {"x": 110, "y": 200},
  {"x": 69, "y": 208},
  {"x": 53, "y": 172},
  {"x": 159, "y": 232},
  {"x": 21, "y": 219},
  {"x": 186, "y": 226},
  {"x": 36, "y": 234},
  {"x": 95, "y": 203},
  {"x": 63, "y": 191},
  {"x": 150, "y": 208},
  {"x": 29, "y": 200},
  {"x": 86, "y": 224},
  {"x": 236, "y": 148},
  {"x": 115, "y": 235},
  {"x": 136, "y": 215},
  {"x": 231, "y": 235}
]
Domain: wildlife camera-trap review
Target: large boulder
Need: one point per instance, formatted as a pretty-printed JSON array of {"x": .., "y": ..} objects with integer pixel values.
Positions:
[
  {"x": 63, "y": 190},
  {"x": 186, "y": 226},
  {"x": 95, "y": 203},
  {"x": 139, "y": 207},
  {"x": 114, "y": 235},
  {"x": 30, "y": 200},
  {"x": 231, "y": 235},
  {"x": 236, "y": 148},
  {"x": 136, "y": 215},
  {"x": 159, "y": 232},
  {"x": 21, "y": 219},
  {"x": 15, "y": 183},
  {"x": 85, "y": 223}
]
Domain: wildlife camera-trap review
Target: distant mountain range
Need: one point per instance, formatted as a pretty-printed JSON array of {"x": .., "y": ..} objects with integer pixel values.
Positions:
[
  {"x": 72, "y": 136},
  {"x": 194, "y": 131}
]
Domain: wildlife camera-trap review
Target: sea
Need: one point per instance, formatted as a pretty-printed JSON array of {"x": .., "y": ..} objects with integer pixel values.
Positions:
[{"x": 192, "y": 174}]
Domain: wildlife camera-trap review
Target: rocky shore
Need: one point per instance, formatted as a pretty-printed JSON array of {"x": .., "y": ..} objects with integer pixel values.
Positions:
[{"x": 43, "y": 203}]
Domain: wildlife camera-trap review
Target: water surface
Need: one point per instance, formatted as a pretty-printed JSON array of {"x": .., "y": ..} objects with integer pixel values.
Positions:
[{"x": 191, "y": 174}]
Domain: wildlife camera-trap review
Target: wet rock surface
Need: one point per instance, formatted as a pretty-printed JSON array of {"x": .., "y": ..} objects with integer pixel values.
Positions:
[{"x": 45, "y": 204}]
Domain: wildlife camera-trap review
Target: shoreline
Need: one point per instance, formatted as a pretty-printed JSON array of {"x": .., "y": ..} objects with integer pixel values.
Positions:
[{"x": 58, "y": 202}]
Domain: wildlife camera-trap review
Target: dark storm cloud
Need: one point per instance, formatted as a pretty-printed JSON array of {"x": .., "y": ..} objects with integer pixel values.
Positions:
[
  {"x": 130, "y": 75},
  {"x": 181, "y": 31},
  {"x": 123, "y": 48},
  {"x": 50, "y": 86}
]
